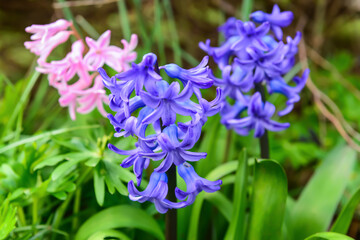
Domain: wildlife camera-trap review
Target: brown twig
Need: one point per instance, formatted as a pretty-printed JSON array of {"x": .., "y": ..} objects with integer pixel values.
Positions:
[{"x": 318, "y": 96}]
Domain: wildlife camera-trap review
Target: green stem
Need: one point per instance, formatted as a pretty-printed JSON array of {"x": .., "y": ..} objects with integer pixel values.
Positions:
[
  {"x": 171, "y": 215},
  {"x": 264, "y": 139},
  {"x": 21, "y": 216},
  {"x": 35, "y": 210},
  {"x": 77, "y": 201},
  {"x": 61, "y": 210}
]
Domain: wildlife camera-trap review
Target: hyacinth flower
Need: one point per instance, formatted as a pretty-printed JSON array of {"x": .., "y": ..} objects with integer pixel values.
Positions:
[
  {"x": 146, "y": 107},
  {"x": 75, "y": 77},
  {"x": 253, "y": 60}
]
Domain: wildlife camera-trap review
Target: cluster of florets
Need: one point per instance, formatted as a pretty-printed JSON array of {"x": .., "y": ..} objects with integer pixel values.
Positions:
[
  {"x": 147, "y": 107},
  {"x": 250, "y": 58},
  {"x": 75, "y": 77}
]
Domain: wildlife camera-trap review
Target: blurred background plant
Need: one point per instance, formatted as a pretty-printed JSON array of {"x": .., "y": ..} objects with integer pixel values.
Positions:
[{"x": 59, "y": 181}]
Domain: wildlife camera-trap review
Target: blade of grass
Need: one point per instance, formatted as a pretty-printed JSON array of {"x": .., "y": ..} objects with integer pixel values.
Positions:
[
  {"x": 43, "y": 136},
  {"x": 22, "y": 101},
  {"x": 343, "y": 221},
  {"x": 124, "y": 21},
  {"x": 236, "y": 229},
  {"x": 158, "y": 32},
  {"x": 172, "y": 28},
  {"x": 88, "y": 28},
  {"x": 246, "y": 9},
  {"x": 143, "y": 28}
]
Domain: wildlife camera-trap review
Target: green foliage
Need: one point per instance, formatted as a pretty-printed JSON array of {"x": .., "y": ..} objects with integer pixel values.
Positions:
[
  {"x": 328, "y": 236},
  {"x": 119, "y": 217},
  {"x": 317, "y": 203},
  {"x": 7, "y": 218},
  {"x": 343, "y": 221},
  {"x": 268, "y": 201}
]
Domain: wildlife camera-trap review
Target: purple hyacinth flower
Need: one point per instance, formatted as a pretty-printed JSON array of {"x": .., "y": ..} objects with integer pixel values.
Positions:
[
  {"x": 235, "y": 81},
  {"x": 138, "y": 157},
  {"x": 276, "y": 19},
  {"x": 118, "y": 120},
  {"x": 229, "y": 28},
  {"x": 292, "y": 93},
  {"x": 264, "y": 65},
  {"x": 250, "y": 35},
  {"x": 258, "y": 118},
  {"x": 291, "y": 46},
  {"x": 173, "y": 151},
  {"x": 197, "y": 76},
  {"x": 167, "y": 103},
  {"x": 155, "y": 192},
  {"x": 229, "y": 112},
  {"x": 221, "y": 54},
  {"x": 140, "y": 75},
  {"x": 194, "y": 184}
]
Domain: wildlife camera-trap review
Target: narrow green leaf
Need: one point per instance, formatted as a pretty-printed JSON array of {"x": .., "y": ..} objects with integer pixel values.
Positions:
[
  {"x": 329, "y": 236},
  {"x": 246, "y": 9},
  {"x": 222, "y": 170},
  {"x": 51, "y": 161},
  {"x": 216, "y": 174},
  {"x": 236, "y": 228},
  {"x": 223, "y": 204},
  {"x": 119, "y": 217},
  {"x": 172, "y": 29},
  {"x": 44, "y": 135},
  {"x": 317, "y": 203},
  {"x": 21, "y": 103},
  {"x": 99, "y": 186},
  {"x": 109, "y": 234},
  {"x": 343, "y": 221},
  {"x": 124, "y": 21},
  {"x": 268, "y": 201},
  {"x": 65, "y": 167},
  {"x": 7, "y": 218}
]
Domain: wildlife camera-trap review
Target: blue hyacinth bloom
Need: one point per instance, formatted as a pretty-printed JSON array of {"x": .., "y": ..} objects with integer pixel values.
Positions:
[
  {"x": 259, "y": 118},
  {"x": 276, "y": 19},
  {"x": 155, "y": 192},
  {"x": 147, "y": 107},
  {"x": 194, "y": 184}
]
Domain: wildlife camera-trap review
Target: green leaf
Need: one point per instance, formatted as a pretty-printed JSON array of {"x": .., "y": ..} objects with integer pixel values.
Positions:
[
  {"x": 7, "y": 218},
  {"x": 64, "y": 168},
  {"x": 329, "y": 236},
  {"x": 223, "y": 204},
  {"x": 44, "y": 135},
  {"x": 119, "y": 217},
  {"x": 343, "y": 221},
  {"x": 51, "y": 161},
  {"x": 114, "y": 177},
  {"x": 215, "y": 174},
  {"x": 268, "y": 201},
  {"x": 236, "y": 228},
  {"x": 109, "y": 234},
  {"x": 99, "y": 186},
  {"x": 317, "y": 203}
]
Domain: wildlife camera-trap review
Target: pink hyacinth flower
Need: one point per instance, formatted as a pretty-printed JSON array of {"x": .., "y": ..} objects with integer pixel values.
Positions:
[
  {"x": 101, "y": 53},
  {"x": 128, "y": 55},
  {"x": 64, "y": 70},
  {"x": 47, "y": 37},
  {"x": 93, "y": 97}
]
